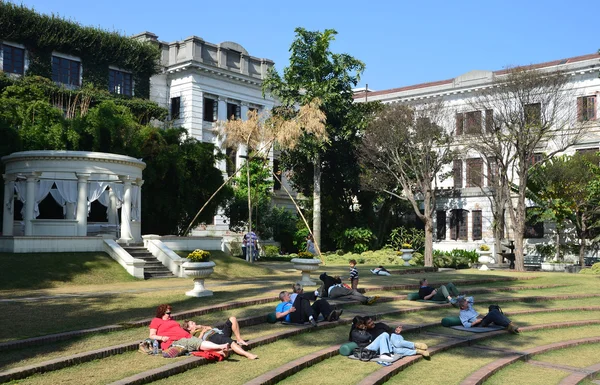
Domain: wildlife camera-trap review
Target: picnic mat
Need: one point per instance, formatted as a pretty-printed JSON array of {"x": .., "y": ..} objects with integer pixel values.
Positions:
[
  {"x": 477, "y": 329},
  {"x": 383, "y": 358}
]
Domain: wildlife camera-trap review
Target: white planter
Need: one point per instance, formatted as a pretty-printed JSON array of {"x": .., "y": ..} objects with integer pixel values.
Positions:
[
  {"x": 546, "y": 266},
  {"x": 198, "y": 271},
  {"x": 306, "y": 265},
  {"x": 485, "y": 257},
  {"x": 406, "y": 255}
]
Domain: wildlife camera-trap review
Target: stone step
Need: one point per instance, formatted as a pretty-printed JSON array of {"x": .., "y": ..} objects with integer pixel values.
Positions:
[{"x": 158, "y": 275}]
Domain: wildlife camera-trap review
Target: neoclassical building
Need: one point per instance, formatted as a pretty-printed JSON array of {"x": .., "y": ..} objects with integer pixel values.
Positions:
[
  {"x": 202, "y": 83},
  {"x": 463, "y": 212}
]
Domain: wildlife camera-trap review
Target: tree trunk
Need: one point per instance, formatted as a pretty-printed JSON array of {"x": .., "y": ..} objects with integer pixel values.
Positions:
[
  {"x": 428, "y": 256},
  {"x": 557, "y": 252},
  {"x": 317, "y": 201},
  {"x": 582, "y": 241},
  {"x": 250, "y": 246}
]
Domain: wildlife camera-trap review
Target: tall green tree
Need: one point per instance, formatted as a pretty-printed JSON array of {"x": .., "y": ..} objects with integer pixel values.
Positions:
[
  {"x": 314, "y": 71},
  {"x": 567, "y": 191}
]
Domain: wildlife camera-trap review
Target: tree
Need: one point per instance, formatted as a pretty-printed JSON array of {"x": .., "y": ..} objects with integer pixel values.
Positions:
[
  {"x": 403, "y": 150},
  {"x": 316, "y": 72},
  {"x": 566, "y": 188},
  {"x": 531, "y": 120}
]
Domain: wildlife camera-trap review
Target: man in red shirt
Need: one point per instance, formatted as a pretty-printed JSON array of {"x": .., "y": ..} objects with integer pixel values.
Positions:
[{"x": 168, "y": 331}]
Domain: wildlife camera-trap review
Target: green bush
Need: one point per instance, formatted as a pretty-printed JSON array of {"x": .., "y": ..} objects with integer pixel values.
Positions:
[
  {"x": 595, "y": 269},
  {"x": 356, "y": 239},
  {"x": 236, "y": 248},
  {"x": 271, "y": 251},
  {"x": 401, "y": 235}
]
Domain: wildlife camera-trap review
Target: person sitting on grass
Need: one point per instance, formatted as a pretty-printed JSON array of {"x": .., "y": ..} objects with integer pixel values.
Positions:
[
  {"x": 443, "y": 293},
  {"x": 296, "y": 308},
  {"x": 383, "y": 339},
  {"x": 333, "y": 288},
  {"x": 469, "y": 317},
  {"x": 221, "y": 336},
  {"x": 166, "y": 330}
]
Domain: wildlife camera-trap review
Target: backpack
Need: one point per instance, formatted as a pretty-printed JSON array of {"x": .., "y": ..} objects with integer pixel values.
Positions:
[
  {"x": 145, "y": 346},
  {"x": 495, "y": 307},
  {"x": 364, "y": 354}
]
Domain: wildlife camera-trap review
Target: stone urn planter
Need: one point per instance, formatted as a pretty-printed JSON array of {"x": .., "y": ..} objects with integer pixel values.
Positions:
[
  {"x": 485, "y": 257},
  {"x": 406, "y": 255},
  {"x": 306, "y": 265},
  {"x": 198, "y": 271}
]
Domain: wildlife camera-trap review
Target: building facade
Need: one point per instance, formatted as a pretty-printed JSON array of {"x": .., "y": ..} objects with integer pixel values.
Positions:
[{"x": 463, "y": 210}]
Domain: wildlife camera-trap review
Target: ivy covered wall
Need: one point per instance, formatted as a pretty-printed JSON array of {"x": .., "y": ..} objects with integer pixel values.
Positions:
[{"x": 97, "y": 49}]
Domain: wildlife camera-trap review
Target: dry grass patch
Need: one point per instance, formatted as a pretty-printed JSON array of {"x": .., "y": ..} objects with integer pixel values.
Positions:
[{"x": 527, "y": 374}]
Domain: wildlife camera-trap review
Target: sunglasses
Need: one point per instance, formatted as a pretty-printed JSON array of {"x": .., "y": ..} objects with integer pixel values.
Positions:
[{"x": 168, "y": 312}]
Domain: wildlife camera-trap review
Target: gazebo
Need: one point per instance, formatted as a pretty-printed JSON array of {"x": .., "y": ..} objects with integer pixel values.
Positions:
[{"x": 74, "y": 179}]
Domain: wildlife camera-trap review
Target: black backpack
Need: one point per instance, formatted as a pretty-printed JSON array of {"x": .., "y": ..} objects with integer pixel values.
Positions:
[
  {"x": 364, "y": 354},
  {"x": 495, "y": 307}
]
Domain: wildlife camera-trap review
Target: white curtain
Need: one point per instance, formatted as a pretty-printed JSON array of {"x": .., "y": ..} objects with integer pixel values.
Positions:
[
  {"x": 135, "y": 209},
  {"x": 59, "y": 199},
  {"x": 41, "y": 192},
  {"x": 68, "y": 192},
  {"x": 119, "y": 190},
  {"x": 95, "y": 189}
]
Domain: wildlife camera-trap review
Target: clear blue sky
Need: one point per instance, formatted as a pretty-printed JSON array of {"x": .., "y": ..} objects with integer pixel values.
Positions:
[{"x": 401, "y": 42}]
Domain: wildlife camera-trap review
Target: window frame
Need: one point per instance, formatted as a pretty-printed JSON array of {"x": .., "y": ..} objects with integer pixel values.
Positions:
[
  {"x": 585, "y": 112},
  {"x": 471, "y": 163},
  {"x": 477, "y": 225},
  {"x": 440, "y": 225},
  {"x": 13, "y": 49},
  {"x": 175, "y": 109},
  {"x": 127, "y": 84},
  {"x": 210, "y": 114},
  {"x": 237, "y": 111},
  {"x": 457, "y": 174},
  {"x": 459, "y": 227},
  {"x": 71, "y": 60}
]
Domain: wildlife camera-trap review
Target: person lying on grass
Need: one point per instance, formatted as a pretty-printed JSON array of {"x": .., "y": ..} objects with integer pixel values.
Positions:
[
  {"x": 296, "y": 307},
  {"x": 221, "y": 336},
  {"x": 469, "y": 317},
  {"x": 383, "y": 339},
  {"x": 443, "y": 293},
  {"x": 333, "y": 288},
  {"x": 166, "y": 330}
]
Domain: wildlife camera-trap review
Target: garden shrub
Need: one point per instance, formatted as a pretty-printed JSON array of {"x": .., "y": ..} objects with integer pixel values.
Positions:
[
  {"x": 236, "y": 248},
  {"x": 401, "y": 235},
  {"x": 305, "y": 254},
  {"x": 595, "y": 269},
  {"x": 198, "y": 255},
  {"x": 271, "y": 251},
  {"x": 356, "y": 239}
]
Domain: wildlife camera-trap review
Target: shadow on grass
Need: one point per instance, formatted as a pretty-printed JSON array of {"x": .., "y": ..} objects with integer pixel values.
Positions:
[{"x": 47, "y": 270}]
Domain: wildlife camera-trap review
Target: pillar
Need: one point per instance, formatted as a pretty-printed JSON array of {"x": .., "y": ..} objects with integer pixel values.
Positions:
[
  {"x": 140, "y": 183},
  {"x": 8, "y": 205},
  {"x": 111, "y": 210},
  {"x": 30, "y": 204},
  {"x": 222, "y": 109},
  {"x": 82, "y": 206},
  {"x": 126, "y": 210}
]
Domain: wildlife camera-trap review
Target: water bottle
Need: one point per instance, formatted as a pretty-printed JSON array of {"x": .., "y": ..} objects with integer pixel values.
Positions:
[{"x": 155, "y": 347}]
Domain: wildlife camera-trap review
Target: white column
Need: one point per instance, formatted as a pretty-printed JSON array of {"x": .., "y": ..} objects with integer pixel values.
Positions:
[
  {"x": 30, "y": 203},
  {"x": 222, "y": 109},
  {"x": 8, "y": 205},
  {"x": 82, "y": 207},
  {"x": 126, "y": 210},
  {"x": 244, "y": 111},
  {"x": 70, "y": 211}
]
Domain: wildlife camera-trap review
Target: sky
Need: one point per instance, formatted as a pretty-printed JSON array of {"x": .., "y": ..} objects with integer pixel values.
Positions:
[{"x": 401, "y": 42}]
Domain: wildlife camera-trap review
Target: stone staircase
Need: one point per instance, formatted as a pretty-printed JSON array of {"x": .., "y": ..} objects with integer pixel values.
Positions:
[{"x": 153, "y": 268}]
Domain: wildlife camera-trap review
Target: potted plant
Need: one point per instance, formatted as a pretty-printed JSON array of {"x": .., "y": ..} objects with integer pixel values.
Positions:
[
  {"x": 406, "y": 253},
  {"x": 306, "y": 263},
  {"x": 485, "y": 254},
  {"x": 198, "y": 267}
]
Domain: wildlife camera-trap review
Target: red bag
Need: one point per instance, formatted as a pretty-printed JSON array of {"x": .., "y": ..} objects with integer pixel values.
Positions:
[
  {"x": 347, "y": 286},
  {"x": 210, "y": 356}
]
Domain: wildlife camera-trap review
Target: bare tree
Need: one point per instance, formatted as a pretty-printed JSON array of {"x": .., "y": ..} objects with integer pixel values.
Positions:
[
  {"x": 403, "y": 152},
  {"x": 529, "y": 118}
]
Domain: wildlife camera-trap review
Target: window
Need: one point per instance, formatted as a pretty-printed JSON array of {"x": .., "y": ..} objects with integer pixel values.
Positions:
[
  {"x": 175, "y": 108},
  {"x": 120, "y": 82},
  {"x": 13, "y": 60},
  {"x": 210, "y": 110},
  {"x": 492, "y": 171},
  {"x": 477, "y": 225},
  {"x": 535, "y": 159},
  {"x": 440, "y": 225},
  {"x": 234, "y": 111},
  {"x": 66, "y": 71},
  {"x": 276, "y": 183},
  {"x": 588, "y": 151},
  {"x": 533, "y": 114},
  {"x": 489, "y": 121},
  {"x": 457, "y": 173},
  {"x": 474, "y": 172},
  {"x": 468, "y": 123},
  {"x": 534, "y": 227},
  {"x": 586, "y": 108},
  {"x": 231, "y": 155},
  {"x": 459, "y": 223}
]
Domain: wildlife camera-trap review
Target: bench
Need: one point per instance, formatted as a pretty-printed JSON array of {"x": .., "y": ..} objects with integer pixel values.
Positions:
[
  {"x": 589, "y": 261},
  {"x": 533, "y": 261}
]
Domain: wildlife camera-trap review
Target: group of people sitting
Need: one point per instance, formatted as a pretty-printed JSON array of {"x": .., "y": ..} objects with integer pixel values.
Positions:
[{"x": 296, "y": 307}]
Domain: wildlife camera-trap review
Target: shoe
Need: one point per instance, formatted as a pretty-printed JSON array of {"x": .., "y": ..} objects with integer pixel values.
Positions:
[
  {"x": 334, "y": 315},
  {"x": 512, "y": 328},
  {"x": 420, "y": 345},
  {"x": 424, "y": 353},
  {"x": 313, "y": 322},
  {"x": 372, "y": 300}
]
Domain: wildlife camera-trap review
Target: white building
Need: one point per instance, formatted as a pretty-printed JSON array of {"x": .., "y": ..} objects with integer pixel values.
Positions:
[
  {"x": 463, "y": 213},
  {"x": 202, "y": 83}
]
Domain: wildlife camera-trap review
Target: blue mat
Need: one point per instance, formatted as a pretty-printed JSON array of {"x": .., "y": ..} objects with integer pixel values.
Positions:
[{"x": 477, "y": 329}]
